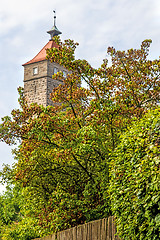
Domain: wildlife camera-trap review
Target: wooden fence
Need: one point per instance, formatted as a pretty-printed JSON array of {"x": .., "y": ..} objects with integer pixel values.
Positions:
[{"x": 103, "y": 229}]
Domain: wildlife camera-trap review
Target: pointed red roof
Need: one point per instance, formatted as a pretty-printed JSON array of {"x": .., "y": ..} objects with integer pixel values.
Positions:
[{"x": 42, "y": 54}]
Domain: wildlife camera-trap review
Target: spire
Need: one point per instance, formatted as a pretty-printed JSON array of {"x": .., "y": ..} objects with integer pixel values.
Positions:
[{"x": 54, "y": 30}]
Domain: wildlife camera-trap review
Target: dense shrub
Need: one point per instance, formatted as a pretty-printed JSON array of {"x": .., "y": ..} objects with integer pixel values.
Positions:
[{"x": 135, "y": 180}]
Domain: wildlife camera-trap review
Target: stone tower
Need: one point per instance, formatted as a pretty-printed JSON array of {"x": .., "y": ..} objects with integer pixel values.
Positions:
[{"x": 38, "y": 82}]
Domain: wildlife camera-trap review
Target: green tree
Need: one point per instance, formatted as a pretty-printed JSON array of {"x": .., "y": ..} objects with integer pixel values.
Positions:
[
  {"x": 14, "y": 220},
  {"x": 9, "y": 209}
]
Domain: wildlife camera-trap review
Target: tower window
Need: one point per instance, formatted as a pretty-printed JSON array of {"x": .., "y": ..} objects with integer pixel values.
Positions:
[
  {"x": 55, "y": 70},
  {"x": 64, "y": 74},
  {"x": 35, "y": 70}
]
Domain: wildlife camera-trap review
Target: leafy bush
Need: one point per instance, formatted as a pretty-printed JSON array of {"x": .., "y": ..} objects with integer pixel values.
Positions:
[
  {"x": 135, "y": 180},
  {"x": 14, "y": 221},
  {"x": 26, "y": 229}
]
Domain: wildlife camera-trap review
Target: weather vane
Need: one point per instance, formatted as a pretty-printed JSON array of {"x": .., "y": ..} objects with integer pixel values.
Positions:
[
  {"x": 54, "y": 17},
  {"x": 54, "y": 31}
]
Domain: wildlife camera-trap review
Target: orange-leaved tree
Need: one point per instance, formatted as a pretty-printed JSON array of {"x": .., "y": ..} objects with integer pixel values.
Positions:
[{"x": 62, "y": 157}]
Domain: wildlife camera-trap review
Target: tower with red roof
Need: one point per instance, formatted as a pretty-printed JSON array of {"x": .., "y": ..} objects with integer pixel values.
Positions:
[{"x": 38, "y": 82}]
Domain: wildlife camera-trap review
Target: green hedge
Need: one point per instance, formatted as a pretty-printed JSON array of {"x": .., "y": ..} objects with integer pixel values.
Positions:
[{"x": 135, "y": 180}]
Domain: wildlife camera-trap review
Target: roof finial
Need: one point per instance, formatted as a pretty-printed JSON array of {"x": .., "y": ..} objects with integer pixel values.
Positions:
[
  {"x": 54, "y": 31},
  {"x": 54, "y": 17}
]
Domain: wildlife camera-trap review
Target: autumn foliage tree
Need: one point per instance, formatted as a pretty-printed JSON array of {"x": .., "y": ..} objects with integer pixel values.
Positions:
[{"x": 63, "y": 157}]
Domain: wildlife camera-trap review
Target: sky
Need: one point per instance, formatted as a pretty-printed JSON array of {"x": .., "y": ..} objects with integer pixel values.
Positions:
[{"x": 94, "y": 24}]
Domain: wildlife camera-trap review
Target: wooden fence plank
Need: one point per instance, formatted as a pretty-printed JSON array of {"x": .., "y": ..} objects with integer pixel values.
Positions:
[
  {"x": 75, "y": 233},
  {"x": 80, "y": 232}
]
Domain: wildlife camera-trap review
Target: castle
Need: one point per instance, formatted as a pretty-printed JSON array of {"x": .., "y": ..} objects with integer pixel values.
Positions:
[{"x": 38, "y": 82}]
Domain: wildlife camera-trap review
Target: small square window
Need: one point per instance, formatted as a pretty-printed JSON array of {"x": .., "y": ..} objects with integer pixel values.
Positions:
[{"x": 35, "y": 70}]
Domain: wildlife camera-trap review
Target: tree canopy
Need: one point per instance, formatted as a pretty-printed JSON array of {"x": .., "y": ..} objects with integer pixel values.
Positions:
[{"x": 64, "y": 156}]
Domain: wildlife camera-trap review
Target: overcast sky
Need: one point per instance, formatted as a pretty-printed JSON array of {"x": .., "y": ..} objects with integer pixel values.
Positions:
[{"x": 95, "y": 24}]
